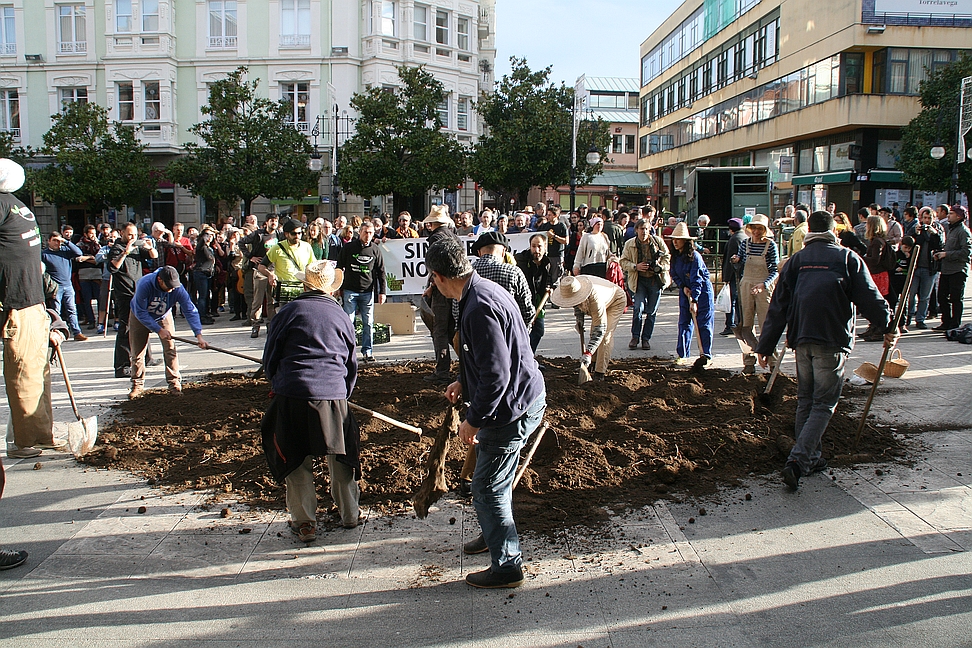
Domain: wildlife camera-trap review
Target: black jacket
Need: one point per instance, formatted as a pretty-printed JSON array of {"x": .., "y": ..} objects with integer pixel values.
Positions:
[{"x": 537, "y": 276}]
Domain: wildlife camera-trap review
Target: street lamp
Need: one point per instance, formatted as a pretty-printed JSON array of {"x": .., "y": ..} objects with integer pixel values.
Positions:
[
  {"x": 316, "y": 163},
  {"x": 593, "y": 156},
  {"x": 964, "y": 126}
]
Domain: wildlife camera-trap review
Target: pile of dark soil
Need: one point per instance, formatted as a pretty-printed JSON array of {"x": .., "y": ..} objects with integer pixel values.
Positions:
[{"x": 649, "y": 431}]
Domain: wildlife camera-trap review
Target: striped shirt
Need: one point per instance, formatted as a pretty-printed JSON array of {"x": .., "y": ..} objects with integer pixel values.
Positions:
[
  {"x": 748, "y": 248},
  {"x": 510, "y": 277}
]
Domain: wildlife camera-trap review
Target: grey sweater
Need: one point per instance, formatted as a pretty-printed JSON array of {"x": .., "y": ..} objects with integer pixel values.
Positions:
[{"x": 958, "y": 249}]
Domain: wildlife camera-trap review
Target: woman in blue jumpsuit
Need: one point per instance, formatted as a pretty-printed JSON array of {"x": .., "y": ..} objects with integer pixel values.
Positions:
[{"x": 694, "y": 292}]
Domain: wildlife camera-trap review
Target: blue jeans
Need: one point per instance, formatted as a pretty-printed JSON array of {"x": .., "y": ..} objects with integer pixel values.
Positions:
[
  {"x": 820, "y": 377},
  {"x": 90, "y": 290},
  {"x": 362, "y": 304},
  {"x": 200, "y": 282},
  {"x": 497, "y": 456},
  {"x": 645, "y": 308},
  {"x": 65, "y": 307},
  {"x": 536, "y": 333},
  {"x": 921, "y": 288}
]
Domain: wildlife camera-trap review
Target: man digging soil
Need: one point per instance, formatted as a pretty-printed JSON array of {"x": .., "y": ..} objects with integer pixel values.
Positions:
[{"x": 500, "y": 379}]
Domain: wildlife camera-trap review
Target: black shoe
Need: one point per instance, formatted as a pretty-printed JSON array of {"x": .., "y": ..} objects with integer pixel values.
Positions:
[
  {"x": 475, "y": 546},
  {"x": 465, "y": 489},
  {"x": 236, "y": 318},
  {"x": 437, "y": 379},
  {"x": 207, "y": 321},
  {"x": 941, "y": 327},
  {"x": 645, "y": 345},
  {"x": 486, "y": 579},
  {"x": 11, "y": 559},
  {"x": 124, "y": 372},
  {"x": 726, "y": 332},
  {"x": 920, "y": 326},
  {"x": 255, "y": 332},
  {"x": 820, "y": 465},
  {"x": 791, "y": 475}
]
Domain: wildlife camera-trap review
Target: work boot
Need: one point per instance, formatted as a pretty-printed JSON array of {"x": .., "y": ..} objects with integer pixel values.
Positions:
[
  {"x": 488, "y": 579},
  {"x": 791, "y": 475},
  {"x": 475, "y": 546},
  {"x": 80, "y": 337},
  {"x": 645, "y": 345},
  {"x": 726, "y": 332},
  {"x": 633, "y": 344},
  {"x": 135, "y": 392},
  {"x": 749, "y": 370}
]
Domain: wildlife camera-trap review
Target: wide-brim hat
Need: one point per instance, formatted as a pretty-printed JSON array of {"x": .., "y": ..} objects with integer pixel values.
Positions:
[
  {"x": 759, "y": 219},
  {"x": 528, "y": 209},
  {"x": 571, "y": 291},
  {"x": 438, "y": 214},
  {"x": 681, "y": 231},
  {"x": 321, "y": 275}
]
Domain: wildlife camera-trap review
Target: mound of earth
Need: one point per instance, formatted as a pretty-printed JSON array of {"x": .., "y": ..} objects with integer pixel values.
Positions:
[{"x": 648, "y": 431}]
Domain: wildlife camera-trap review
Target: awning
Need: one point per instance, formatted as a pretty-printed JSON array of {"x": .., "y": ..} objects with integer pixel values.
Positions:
[
  {"x": 879, "y": 175},
  {"x": 622, "y": 180},
  {"x": 834, "y": 177},
  {"x": 306, "y": 200}
]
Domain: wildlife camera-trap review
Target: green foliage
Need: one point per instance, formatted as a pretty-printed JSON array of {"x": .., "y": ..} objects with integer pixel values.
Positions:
[
  {"x": 94, "y": 162},
  {"x": 528, "y": 137},
  {"x": 398, "y": 147},
  {"x": 248, "y": 149},
  {"x": 936, "y": 124}
]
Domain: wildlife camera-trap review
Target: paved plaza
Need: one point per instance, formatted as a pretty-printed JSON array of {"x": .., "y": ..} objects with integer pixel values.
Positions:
[{"x": 879, "y": 555}]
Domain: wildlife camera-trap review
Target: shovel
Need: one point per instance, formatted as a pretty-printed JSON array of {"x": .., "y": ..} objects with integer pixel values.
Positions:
[
  {"x": 766, "y": 396},
  {"x": 83, "y": 434},
  {"x": 377, "y": 415},
  {"x": 699, "y": 365}
]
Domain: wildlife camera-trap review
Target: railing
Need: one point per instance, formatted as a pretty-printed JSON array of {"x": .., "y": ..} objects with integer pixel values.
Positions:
[
  {"x": 8, "y": 48},
  {"x": 222, "y": 42},
  {"x": 78, "y": 47},
  {"x": 294, "y": 40}
]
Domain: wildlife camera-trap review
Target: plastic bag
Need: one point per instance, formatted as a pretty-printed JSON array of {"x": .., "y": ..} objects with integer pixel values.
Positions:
[{"x": 723, "y": 302}]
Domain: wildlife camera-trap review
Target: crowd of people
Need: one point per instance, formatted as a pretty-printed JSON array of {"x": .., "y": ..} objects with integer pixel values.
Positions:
[{"x": 308, "y": 282}]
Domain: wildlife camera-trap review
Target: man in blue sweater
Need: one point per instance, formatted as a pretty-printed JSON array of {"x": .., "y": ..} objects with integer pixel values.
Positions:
[
  {"x": 815, "y": 301},
  {"x": 502, "y": 383},
  {"x": 155, "y": 294},
  {"x": 57, "y": 257}
]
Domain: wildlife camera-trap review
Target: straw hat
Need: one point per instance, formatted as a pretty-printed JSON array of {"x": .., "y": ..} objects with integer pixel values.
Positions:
[
  {"x": 528, "y": 209},
  {"x": 11, "y": 176},
  {"x": 759, "y": 219},
  {"x": 681, "y": 231},
  {"x": 321, "y": 275},
  {"x": 571, "y": 291},
  {"x": 438, "y": 214}
]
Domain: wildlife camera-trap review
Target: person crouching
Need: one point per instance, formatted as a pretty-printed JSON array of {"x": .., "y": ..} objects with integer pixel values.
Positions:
[{"x": 310, "y": 363}]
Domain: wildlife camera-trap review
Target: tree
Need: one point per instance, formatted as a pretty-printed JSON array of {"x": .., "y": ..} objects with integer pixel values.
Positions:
[
  {"x": 94, "y": 162},
  {"x": 528, "y": 135},
  {"x": 399, "y": 147},
  {"x": 936, "y": 125},
  {"x": 249, "y": 149}
]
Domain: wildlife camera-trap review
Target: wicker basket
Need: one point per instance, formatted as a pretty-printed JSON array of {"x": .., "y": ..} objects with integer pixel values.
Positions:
[
  {"x": 867, "y": 371},
  {"x": 895, "y": 367}
]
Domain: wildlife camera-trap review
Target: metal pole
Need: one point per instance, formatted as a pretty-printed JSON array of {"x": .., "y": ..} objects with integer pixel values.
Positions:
[
  {"x": 334, "y": 168},
  {"x": 964, "y": 125},
  {"x": 573, "y": 153}
]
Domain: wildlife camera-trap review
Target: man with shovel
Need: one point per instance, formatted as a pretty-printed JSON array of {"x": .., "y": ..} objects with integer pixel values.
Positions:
[
  {"x": 604, "y": 302},
  {"x": 814, "y": 300},
  {"x": 500, "y": 380}
]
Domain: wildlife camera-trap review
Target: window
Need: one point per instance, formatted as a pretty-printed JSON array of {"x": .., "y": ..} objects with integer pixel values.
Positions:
[
  {"x": 420, "y": 23},
  {"x": 297, "y": 96},
  {"x": 8, "y": 31},
  {"x": 150, "y": 15},
  {"x": 385, "y": 25},
  {"x": 617, "y": 144},
  {"x": 123, "y": 16},
  {"x": 152, "y": 100},
  {"x": 71, "y": 25},
  {"x": 462, "y": 33},
  {"x": 10, "y": 112},
  {"x": 852, "y": 73},
  {"x": 462, "y": 113},
  {"x": 442, "y": 27},
  {"x": 295, "y": 23},
  {"x": 126, "y": 101},
  {"x": 443, "y": 111},
  {"x": 73, "y": 95},
  {"x": 629, "y": 143},
  {"x": 222, "y": 24}
]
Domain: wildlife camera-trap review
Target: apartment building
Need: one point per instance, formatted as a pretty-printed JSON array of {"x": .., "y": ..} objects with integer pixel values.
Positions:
[
  {"x": 817, "y": 92},
  {"x": 151, "y": 62}
]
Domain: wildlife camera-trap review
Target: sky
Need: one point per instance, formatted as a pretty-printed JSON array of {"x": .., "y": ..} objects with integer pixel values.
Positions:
[{"x": 548, "y": 32}]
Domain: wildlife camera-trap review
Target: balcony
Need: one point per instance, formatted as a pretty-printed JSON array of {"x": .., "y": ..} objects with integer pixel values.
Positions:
[
  {"x": 222, "y": 42},
  {"x": 68, "y": 47},
  {"x": 294, "y": 41},
  {"x": 8, "y": 49}
]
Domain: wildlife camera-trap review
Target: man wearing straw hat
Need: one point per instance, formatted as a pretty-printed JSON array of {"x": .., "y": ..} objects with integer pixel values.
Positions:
[
  {"x": 604, "y": 302},
  {"x": 310, "y": 362},
  {"x": 814, "y": 300}
]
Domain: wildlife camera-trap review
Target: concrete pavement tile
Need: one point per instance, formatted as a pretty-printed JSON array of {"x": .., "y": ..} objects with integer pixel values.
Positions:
[
  {"x": 540, "y": 640},
  {"x": 301, "y": 562},
  {"x": 198, "y": 556},
  {"x": 897, "y": 478},
  {"x": 920, "y": 533},
  {"x": 408, "y": 559},
  {"x": 125, "y": 542},
  {"x": 663, "y": 633},
  {"x": 946, "y": 509},
  {"x": 210, "y": 520},
  {"x": 86, "y": 567}
]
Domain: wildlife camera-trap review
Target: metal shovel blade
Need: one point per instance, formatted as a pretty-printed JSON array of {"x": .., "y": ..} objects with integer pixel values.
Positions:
[
  {"x": 81, "y": 435},
  {"x": 583, "y": 375}
]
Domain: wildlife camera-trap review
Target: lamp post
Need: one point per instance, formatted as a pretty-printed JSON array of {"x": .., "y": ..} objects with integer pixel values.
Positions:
[
  {"x": 593, "y": 156},
  {"x": 964, "y": 126}
]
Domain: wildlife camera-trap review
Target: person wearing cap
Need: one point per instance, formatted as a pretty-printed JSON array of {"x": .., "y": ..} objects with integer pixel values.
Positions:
[
  {"x": 736, "y": 238},
  {"x": 59, "y": 257},
  {"x": 437, "y": 309},
  {"x": 646, "y": 262},
  {"x": 691, "y": 276},
  {"x": 310, "y": 363},
  {"x": 364, "y": 283},
  {"x": 155, "y": 295},
  {"x": 602, "y": 301},
  {"x": 756, "y": 267},
  {"x": 500, "y": 379},
  {"x": 281, "y": 264},
  {"x": 954, "y": 259},
  {"x": 820, "y": 288},
  {"x": 491, "y": 249}
]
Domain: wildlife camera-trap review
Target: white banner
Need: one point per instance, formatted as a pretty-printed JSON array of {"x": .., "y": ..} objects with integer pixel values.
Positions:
[
  {"x": 946, "y": 7},
  {"x": 405, "y": 270}
]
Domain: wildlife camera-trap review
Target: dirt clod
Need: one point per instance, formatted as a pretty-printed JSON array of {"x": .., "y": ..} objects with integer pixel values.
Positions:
[
  {"x": 647, "y": 431},
  {"x": 142, "y": 510},
  {"x": 224, "y": 513},
  {"x": 749, "y": 496},
  {"x": 38, "y": 466}
]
